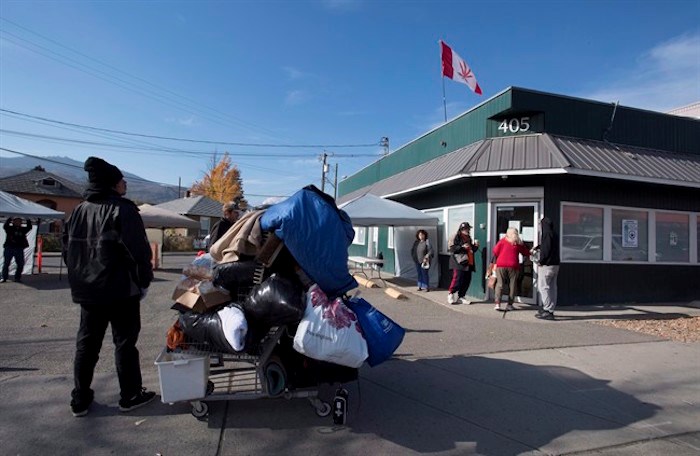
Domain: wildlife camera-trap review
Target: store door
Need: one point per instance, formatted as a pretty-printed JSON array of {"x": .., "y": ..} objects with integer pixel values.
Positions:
[{"x": 523, "y": 216}]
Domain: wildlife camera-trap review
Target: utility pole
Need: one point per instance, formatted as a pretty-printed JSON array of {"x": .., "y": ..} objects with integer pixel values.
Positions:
[
  {"x": 384, "y": 142},
  {"x": 324, "y": 171},
  {"x": 335, "y": 187}
]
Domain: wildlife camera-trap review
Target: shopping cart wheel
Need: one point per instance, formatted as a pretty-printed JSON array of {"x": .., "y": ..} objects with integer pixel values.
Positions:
[
  {"x": 199, "y": 409},
  {"x": 322, "y": 408}
]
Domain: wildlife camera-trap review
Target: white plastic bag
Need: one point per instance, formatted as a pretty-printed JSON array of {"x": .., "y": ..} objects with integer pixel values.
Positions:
[
  {"x": 234, "y": 327},
  {"x": 329, "y": 331}
]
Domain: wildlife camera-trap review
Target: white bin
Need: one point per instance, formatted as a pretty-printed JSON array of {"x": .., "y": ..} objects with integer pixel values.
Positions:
[{"x": 183, "y": 376}]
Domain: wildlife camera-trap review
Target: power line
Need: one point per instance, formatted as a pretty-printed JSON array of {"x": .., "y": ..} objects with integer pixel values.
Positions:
[
  {"x": 111, "y": 78},
  {"x": 201, "y": 141}
]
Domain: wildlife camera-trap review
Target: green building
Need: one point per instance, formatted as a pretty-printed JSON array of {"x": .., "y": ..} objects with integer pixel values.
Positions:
[{"x": 622, "y": 186}]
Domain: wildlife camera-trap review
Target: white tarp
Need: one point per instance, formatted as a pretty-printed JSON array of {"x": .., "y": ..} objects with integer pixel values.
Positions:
[
  {"x": 12, "y": 206},
  {"x": 371, "y": 210}
]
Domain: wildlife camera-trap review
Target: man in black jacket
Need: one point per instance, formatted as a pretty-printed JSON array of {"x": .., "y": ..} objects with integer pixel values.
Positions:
[
  {"x": 109, "y": 270},
  {"x": 231, "y": 213},
  {"x": 548, "y": 269},
  {"x": 15, "y": 243}
]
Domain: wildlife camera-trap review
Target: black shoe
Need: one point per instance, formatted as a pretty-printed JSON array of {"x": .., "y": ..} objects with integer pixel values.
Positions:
[
  {"x": 79, "y": 408},
  {"x": 142, "y": 398},
  {"x": 540, "y": 311},
  {"x": 545, "y": 315}
]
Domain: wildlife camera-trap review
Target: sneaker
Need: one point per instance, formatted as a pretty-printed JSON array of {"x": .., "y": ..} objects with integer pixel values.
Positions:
[
  {"x": 509, "y": 307},
  {"x": 79, "y": 408},
  {"x": 141, "y": 399},
  {"x": 540, "y": 311},
  {"x": 497, "y": 306},
  {"x": 545, "y": 315},
  {"x": 427, "y": 290},
  {"x": 3, "y": 280},
  {"x": 451, "y": 298},
  {"x": 464, "y": 301}
]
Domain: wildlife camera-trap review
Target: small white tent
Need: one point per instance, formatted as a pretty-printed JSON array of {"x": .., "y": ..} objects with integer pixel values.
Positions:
[
  {"x": 371, "y": 210},
  {"x": 12, "y": 206}
]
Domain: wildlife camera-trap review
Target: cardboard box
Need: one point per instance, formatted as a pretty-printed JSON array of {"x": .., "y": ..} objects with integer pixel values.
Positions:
[
  {"x": 183, "y": 376},
  {"x": 200, "y": 295}
]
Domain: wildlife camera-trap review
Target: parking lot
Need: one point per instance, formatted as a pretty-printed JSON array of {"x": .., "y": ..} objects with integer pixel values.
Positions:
[{"x": 464, "y": 381}]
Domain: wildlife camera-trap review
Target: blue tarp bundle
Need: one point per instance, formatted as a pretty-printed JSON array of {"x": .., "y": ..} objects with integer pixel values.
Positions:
[{"x": 317, "y": 234}]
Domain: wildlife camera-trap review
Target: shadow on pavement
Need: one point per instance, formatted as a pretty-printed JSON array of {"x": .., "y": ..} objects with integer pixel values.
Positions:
[{"x": 471, "y": 404}]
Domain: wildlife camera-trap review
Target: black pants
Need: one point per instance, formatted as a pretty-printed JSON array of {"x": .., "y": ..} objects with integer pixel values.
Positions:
[
  {"x": 125, "y": 318},
  {"x": 460, "y": 282},
  {"x": 18, "y": 254}
]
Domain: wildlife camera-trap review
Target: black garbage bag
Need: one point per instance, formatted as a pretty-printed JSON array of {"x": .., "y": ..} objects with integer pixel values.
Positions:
[
  {"x": 236, "y": 277},
  {"x": 205, "y": 329},
  {"x": 277, "y": 301}
]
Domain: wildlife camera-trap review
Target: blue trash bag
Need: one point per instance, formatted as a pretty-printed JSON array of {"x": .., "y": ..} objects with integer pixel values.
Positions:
[{"x": 383, "y": 335}]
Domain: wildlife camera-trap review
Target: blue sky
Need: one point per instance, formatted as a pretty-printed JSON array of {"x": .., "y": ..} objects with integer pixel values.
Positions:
[{"x": 312, "y": 74}]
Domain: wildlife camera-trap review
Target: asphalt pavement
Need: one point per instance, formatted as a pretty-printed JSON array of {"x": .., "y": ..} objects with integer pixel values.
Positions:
[{"x": 466, "y": 380}]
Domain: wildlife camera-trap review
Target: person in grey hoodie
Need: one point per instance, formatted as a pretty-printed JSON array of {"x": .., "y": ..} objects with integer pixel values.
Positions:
[{"x": 548, "y": 269}]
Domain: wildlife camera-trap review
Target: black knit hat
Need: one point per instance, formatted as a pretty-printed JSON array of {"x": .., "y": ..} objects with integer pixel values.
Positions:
[
  {"x": 465, "y": 225},
  {"x": 101, "y": 173}
]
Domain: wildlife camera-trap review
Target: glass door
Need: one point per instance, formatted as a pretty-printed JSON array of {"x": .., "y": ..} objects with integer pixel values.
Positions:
[{"x": 523, "y": 216}]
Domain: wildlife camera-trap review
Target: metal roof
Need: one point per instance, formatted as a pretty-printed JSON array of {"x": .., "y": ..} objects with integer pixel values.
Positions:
[
  {"x": 194, "y": 205},
  {"x": 36, "y": 182},
  {"x": 544, "y": 154}
]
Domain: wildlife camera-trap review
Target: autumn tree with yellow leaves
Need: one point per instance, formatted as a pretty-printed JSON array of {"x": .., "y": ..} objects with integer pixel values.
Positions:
[{"x": 222, "y": 182}]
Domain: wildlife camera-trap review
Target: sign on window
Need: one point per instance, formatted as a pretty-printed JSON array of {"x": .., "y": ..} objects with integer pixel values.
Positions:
[{"x": 630, "y": 233}]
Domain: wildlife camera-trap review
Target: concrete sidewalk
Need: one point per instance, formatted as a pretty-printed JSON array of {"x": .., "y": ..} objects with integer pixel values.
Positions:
[{"x": 464, "y": 381}]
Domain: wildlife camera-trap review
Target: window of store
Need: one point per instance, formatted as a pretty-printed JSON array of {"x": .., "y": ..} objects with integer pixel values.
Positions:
[
  {"x": 672, "y": 237},
  {"x": 360, "y": 235},
  {"x": 390, "y": 237},
  {"x": 582, "y": 233},
  {"x": 440, "y": 215},
  {"x": 630, "y": 237},
  {"x": 622, "y": 234},
  {"x": 454, "y": 215}
]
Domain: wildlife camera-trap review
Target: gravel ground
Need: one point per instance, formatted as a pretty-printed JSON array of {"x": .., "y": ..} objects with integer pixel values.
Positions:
[{"x": 679, "y": 329}]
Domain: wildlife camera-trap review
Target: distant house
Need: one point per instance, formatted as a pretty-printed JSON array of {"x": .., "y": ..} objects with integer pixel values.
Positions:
[
  {"x": 45, "y": 188},
  {"x": 201, "y": 208}
]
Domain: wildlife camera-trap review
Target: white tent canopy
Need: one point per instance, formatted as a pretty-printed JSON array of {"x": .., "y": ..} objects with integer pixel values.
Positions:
[
  {"x": 371, "y": 210},
  {"x": 14, "y": 206}
]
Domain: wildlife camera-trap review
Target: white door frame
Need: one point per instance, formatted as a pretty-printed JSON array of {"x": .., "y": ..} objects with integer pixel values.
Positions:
[{"x": 527, "y": 196}]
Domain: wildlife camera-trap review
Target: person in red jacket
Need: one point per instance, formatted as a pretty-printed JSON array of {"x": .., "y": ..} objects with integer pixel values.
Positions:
[{"x": 507, "y": 252}]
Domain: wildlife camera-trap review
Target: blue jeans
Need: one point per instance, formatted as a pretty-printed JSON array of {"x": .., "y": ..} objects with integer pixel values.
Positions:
[
  {"x": 423, "y": 276},
  {"x": 18, "y": 254}
]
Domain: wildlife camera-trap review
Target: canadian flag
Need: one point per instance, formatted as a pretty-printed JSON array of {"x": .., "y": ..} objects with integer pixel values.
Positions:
[{"x": 457, "y": 69}]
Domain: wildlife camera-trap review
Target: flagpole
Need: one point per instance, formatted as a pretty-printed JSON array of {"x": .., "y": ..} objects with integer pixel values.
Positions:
[{"x": 444, "y": 103}]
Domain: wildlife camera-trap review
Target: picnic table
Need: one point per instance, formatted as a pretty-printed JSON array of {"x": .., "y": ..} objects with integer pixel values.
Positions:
[{"x": 373, "y": 264}]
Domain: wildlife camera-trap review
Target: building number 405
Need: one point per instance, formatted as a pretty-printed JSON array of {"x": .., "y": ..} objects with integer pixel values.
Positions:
[{"x": 515, "y": 125}]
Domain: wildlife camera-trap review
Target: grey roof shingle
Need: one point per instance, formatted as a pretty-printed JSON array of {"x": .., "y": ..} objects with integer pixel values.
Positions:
[
  {"x": 540, "y": 152},
  {"x": 194, "y": 205},
  {"x": 36, "y": 182}
]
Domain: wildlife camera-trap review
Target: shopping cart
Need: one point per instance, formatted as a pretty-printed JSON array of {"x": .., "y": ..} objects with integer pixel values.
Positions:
[
  {"x": 198, "y": 375},
  {"x": 269, "y": 368}
]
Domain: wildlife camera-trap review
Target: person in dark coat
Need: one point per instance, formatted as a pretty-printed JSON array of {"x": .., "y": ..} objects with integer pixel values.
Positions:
[
  {"x": 548, "y": 269},
  {"x": 231, "y": 213},
  {"x": 15, "y": 243},
  {"x": 422, "y": 255},
  {"x": 461, "y": 245},
  {"x": 109, "y": 270}
]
